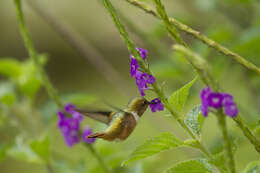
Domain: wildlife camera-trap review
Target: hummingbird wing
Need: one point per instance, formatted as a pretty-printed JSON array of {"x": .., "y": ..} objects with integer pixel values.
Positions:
[{"x": 101, "y": 116}]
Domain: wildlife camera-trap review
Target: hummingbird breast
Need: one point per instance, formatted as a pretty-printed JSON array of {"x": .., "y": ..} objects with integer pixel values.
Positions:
[{"x": 120, "y": 127}]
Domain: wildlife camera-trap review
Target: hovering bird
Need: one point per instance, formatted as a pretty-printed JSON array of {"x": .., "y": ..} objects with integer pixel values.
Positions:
[{"x": 120, "y": 123}]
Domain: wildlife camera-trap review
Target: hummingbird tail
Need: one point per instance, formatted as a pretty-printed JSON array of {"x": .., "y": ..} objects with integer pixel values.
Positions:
[{"x": 96, "y": 135}]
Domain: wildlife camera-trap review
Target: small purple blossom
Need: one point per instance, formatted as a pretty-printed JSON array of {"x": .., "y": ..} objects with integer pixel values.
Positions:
[
  {"x": 156, "y": 105},
  {"x": 133, "y": 66},
  {"x": 85, "y": 134},
  {"x": 230, "y": 107},
  {"x": 142, "y": 52},
  {"x": 217, "y": 100},
  {"x": 70, "y": 126},
  {"x": 142, "y": 79},
  {"x": 203, "y": 96}
]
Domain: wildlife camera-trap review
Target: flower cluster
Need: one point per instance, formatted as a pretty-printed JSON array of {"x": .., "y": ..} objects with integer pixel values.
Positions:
[
  {"x": 217, "y": 100},
  {"x": 144, "y": 79},
  {"x": 156, "y": 105},
  {"x": 70, "y": 126}
]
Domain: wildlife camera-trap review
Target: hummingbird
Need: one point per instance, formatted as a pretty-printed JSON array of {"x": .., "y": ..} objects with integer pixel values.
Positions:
[{"x": 121, "y": 123}]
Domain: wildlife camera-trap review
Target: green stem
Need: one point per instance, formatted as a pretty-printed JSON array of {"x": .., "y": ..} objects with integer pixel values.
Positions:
[
  {"x": 238, "y": 58},
  {"x": 248, "y": 133},
  {"x": 155, "y": 85},
  {"x": 33, "y": 54},
  {"x": 223, "y": 126},
  {"x": 98, "y": 157}
]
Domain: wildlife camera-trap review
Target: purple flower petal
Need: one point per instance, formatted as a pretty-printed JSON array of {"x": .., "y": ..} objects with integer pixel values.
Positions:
[
  {"x": 156, "y": 105},
  {"x": 85, "y": 134},
  {"x": 204, "y": 109},
  {"x": 215, "y": 100},
  {"x": 228, "y": 99},
  {"x": 69, "y": 107},
  {"x": 133, "y": 66},
  {"x": 142, "y": 52},
  {"x": 231, "y": 110},
  {"x": 204, "y": 100},
  {"x": 142, "y": 79}
]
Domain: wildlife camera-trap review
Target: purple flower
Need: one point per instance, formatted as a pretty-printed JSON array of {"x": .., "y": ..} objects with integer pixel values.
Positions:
[
  {"x": 230, "y": 107},
  {"x": 71, "y": 109},
  {"x": 142, "y": 52},
  {"x": 133, "y": 66},
  {"x": 217, "y": 100},
  {"x": 70, "y": 126},
  {"x": 231, "y": 110},
  {"x": 85, "y": 134},
  {"x": 204, "y": 101},
  {"x": 142, "y": 79},
  {"x": 156, "y": 105}
]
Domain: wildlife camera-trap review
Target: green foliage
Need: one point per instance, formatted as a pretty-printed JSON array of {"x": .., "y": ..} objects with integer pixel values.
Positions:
[
  {"x": 220, "y": 161},
  {"x": 253, "y": 167},
  {"x": 41, "y": 147},
  {"x": 179, "y": 97},
  {"x": 37, "y": 151},
  {"x": 7, "y": 93},
  {"x": 194, "y": 120},
  {"x": 163, "y": 142},
  {"x": 21, "y": 151},
  {"x": 29, "y": 81},
  {"x": 10, "y": 67},
  {"x": 24, "y": 74},
  {"x": 192, "y": 166}
]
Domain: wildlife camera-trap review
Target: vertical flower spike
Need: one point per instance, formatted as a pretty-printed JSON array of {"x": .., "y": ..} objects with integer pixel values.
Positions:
[
  {"x": 70, "y": 126},
  {"x": 156, "y": 105},
  {"x": 217, "y": 101},
  {"x": 85, "y": 134},
  {"x": 142, "y": 79}
]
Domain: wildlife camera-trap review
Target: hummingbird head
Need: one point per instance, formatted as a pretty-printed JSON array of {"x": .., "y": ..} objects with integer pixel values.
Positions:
[{"x": 138, "y": 105}]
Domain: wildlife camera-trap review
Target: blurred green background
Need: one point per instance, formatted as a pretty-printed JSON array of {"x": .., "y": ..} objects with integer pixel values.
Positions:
[{"x": 233, "y": 23}]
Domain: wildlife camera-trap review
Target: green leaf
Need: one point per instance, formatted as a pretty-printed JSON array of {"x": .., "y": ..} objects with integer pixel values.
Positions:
[
  {"x": 194, "y": 120},
  {"x": 179, "y": 97},
  {"x": 7, "y": 93},
  {"x": 29, "y": 81},
  {"x": 41, "y": 147},
  {"x": 253, "y": 167},
  {"x": 163, "y": 142},
  {"x": 220, "y": 161},
  {"x": 10, "y": 67},
  {"x": 23, "y": 152},
  {"x": 191, "y": 166}
]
